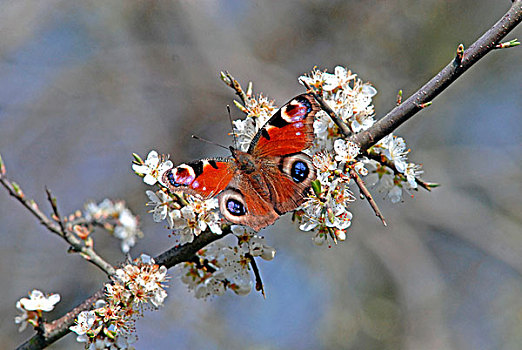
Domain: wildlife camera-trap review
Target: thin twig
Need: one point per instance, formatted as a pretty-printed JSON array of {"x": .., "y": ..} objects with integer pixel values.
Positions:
[
  {"x": 257, "y": 274},
  {"x": 58, "y": 218},
  {"x": 362, "y": 187},
  {"x": 234, "y": 84},
  {"x": 345, "y": 129},
  {"x": 59, "y": 229},
  {"x": 30, "y": 205}
]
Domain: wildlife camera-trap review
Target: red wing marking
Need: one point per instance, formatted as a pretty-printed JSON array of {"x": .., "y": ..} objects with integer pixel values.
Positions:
[
  {"x": 204, "y": 177},
  {"x": 289, "y": 130}
]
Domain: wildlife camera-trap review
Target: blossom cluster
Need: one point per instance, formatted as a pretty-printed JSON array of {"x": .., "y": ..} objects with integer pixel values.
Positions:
[
  {"x": 392, "y": 173},
  {"x": 135, "y": 287},
  {"x": 348, "y": 96},
  {"x": 258, "y": 111},
  {"x": 32, "y": 308},
  {"x": 351, "y": 99},
  {"x": 221, "y": 266},
  {"x": 115, "y": 217},
  {"x": 188, "y": 221}
]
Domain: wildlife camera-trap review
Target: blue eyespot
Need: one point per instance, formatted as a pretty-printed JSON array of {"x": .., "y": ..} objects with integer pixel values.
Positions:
[
  {"x": 299, "y": 171},
  {"x": 235, "y": 207}
]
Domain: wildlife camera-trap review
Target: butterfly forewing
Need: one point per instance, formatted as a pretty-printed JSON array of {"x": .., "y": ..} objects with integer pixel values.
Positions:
[
  {"x": 205, "y": 177},
  {"x": 289, "y": 130}
]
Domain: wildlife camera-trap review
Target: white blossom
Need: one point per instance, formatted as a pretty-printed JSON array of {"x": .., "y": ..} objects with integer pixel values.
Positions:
[
  {"x": 153, "y": 168},
  {"x": 39, "y": 301},
  {"x": 340, "y": 79},
  {"x": 411, "y": 172},
  {"x": 346, "y": 151},
  {"x": 111, "y": 324},
  {"x": 84, "y": 323},
  {"x": 127, "y": 230}
]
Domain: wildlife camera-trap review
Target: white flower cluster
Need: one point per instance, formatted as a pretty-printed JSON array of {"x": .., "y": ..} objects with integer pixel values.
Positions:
[
  {"x": 351, "y": 100},
  {"x": 32, "y": 308},
  {"x": 348, "y": 96},
  {"x": 153, "y": 168},
  {"x": 195, "y": 217},
  {"x": 111, "y": 324},
  {"x": 326, "y": 209},
  {"x": 220, "y": 267},
  {"x": 187, "y": 221},
  {"x": 393, "y": 149},
  {"x": 337, "y": 160},
  {"x": 126, "y": 226},
  {"x": 257, "y": 111}
]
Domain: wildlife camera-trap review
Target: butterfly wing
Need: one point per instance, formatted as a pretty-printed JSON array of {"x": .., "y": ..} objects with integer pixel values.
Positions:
[
  {"x": 290, "y": 181},
  {"x": 279, "y": 173},
  {"x": 205, "y": 177},
  {"x": 289, "y": 130},
  {"x": 280, "y": 144},
  {"x": 243, "y": 203}
]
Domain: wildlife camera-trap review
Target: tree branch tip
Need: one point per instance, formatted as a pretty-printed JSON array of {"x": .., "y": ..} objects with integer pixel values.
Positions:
[
  {"x": 399, "y": 97},
  {"x": 137, "y": 159},
  {"x": 3, "y": 170},
  {"x": 508, "y": 44},
  {"x": 250, "y": 87},
  {"x": 17, "y": 190},
  {"x": 225, "y": 77}
]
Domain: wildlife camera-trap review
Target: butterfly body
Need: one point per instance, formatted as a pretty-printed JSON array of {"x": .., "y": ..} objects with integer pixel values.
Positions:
[{"x": 255, "y": 187}]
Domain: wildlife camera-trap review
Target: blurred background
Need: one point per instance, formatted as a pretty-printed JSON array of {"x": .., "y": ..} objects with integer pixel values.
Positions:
[{"x": 83, "y": 84}]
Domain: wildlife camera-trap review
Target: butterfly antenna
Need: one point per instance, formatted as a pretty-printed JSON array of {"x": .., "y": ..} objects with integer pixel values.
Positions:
[
  {"x": 232, "y": 126},
  {"x": 208, "y": 141}
]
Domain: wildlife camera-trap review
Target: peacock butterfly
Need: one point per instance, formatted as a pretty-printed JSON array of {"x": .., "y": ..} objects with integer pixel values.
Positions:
[{"x": 255, "y": 187}]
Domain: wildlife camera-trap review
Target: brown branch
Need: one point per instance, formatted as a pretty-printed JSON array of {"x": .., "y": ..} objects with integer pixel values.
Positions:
[
  {"x": 257, "y": 274},
  {"x": 187, "y": 251},
  {"x": 365, "y": 139},
  {"x": 76, "y": 245},
  {"x": 362, "y": 187},
  {"x": 58, "y": 328},
  {"x": 441, "y": 81}
]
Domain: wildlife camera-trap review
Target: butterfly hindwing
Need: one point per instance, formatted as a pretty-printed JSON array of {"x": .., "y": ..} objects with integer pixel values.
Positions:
[
  {"x": 244, "y": 204},
  {"x": 290, "y": 184}
]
